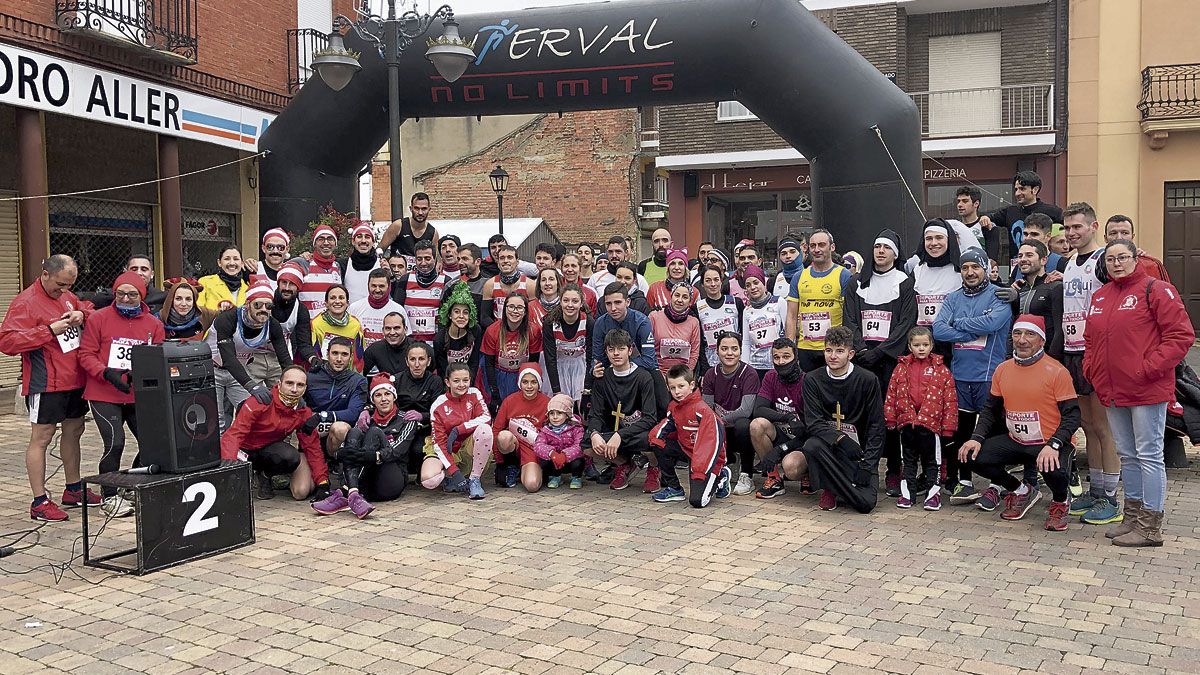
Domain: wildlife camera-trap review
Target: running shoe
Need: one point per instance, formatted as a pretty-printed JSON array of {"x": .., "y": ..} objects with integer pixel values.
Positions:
[
  {"x": 455, "y": 482},
  {"x": 116, "y": 506},
  {"x": 1084, "y": 503},
  {"x": 806, "y": 485},
  {"x": 261, "y": 484},
  {"x": 771, "y": 488},
  {"x": 47, "y": 511},
  {"x": 606, "y": 476},
  {"x": 589, "y": 470},
  {"x": 474, "y": 488},
  {"x": 361, "y": 508},
  {"x": 336, "y": 502},
  {"x": 892, "y": 483},
  {"x": 745, "y": 485},
  {"x": 512, "y": 475},
  {"x": 1075, "y": 485},
  {"x": 576, "y": 483},
  {"x": 934, "y": 502},
  {"x": 903, "y": 502},
  {"x": 963, "y": 493},
  {"x": 1106, "y": 510},
  {"x": 624, "y": 474},
  {"x": 1056, "y": 520},
  {"x": 1016, "y": 506},
  {"x": 553, "y": 482},
  {"x": 653, "y": 482},
  {"x": 74, "y": 498},
  {"x": 989, "y": 500},
  {"x": 828, "y": 501},
  {"x": 724, "y": 478},
  {"x": 669, "y": 494}
]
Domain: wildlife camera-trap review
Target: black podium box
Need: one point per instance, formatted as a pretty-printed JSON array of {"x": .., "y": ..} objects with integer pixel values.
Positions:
[{"x": 179, "y": 517}]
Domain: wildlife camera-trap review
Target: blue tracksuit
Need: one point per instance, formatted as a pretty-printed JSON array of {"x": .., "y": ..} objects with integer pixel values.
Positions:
[
  {"x": 343, "y": 394},
  {"x": 978, "y": 326},
  {"x": 638, "y": 327}
]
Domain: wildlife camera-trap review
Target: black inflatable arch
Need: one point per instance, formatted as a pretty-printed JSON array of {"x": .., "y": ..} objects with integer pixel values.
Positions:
[{"x": 774, "y": 56}]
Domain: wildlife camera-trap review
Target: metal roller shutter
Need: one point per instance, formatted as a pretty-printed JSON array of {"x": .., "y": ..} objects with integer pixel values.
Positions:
[{"x": 10, "y": 280}]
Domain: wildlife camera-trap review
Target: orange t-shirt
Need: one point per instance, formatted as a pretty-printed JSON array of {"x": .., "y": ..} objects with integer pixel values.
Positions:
[{"x": 1031, "y": 396}]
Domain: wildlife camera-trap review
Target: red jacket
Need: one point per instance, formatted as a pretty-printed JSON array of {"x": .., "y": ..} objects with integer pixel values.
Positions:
[
  {"x": 256, "y": 426},
  {"x": 26, "y": 332},
  {"x": 1153, "y": 267},
  {"x": 938, "y": 408},
  {"x": 461, "y": 415},
  {"x": 521, "y": 416},
  {"x": 107, "y": 340},
  {"x": 698, "y": 430},
  {"x": 1137, "y": 332}
]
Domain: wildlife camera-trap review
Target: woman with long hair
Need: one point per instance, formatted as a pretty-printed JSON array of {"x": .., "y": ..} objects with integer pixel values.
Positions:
[
  {"x": 182, "y": 318},
  {"x": 574, "y": 272},
  {"x": 565, "y": 344},
  {"x": 507, "y": 343},
  {"x": 459, "y": 336},
  {"x": 548, "y": 291},
  {"x": 718, "y": 311},
  {"x": 227, "y": 288}
]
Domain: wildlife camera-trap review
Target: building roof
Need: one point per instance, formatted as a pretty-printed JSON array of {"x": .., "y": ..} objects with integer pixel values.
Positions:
[{"x": 478, "y": 230}]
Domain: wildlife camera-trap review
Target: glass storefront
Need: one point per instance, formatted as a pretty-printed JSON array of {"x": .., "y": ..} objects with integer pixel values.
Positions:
[
  {"x": 765, "y": 217},
  {"x": 940, "y": 199}
]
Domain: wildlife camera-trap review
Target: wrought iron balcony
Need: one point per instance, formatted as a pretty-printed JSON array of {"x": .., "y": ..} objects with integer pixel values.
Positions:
[
  {"x": 986, "y": 111},
  {"x": 164, "y": 28},
  {"x": 303, "y": 43},
  {"x": 1171, "y": 92}
]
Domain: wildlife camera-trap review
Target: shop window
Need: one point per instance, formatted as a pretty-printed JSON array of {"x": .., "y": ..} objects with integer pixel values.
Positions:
[
  {"x": 205, "y": 234},
  {"x": 100, "y": 236},
  {"x": 764, "y": 217},
  {"x": 733, "y": 111},
  {"x": 940, "y": 199}
]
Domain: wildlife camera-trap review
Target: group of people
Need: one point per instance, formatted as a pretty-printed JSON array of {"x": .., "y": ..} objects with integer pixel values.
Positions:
[{"x": 421, "y": 355}]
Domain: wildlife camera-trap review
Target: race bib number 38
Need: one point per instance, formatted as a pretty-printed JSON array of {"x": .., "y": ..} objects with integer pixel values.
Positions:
[{"x": 120, "y": 354}]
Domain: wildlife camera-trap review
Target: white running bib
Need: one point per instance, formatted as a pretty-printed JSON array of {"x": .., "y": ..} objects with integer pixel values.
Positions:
[
  {"x": 876, "y": 324},
  {"x": 1073, "y": 325},
  {"x": 815, "y": 325},
  {"x": 120, "y": 354},
  {"x": 68, "y": 340},
  {"x": 928, "y": 307},
  {"x": 975, "y": 345},
  {"x": 1025, "y": 427}
]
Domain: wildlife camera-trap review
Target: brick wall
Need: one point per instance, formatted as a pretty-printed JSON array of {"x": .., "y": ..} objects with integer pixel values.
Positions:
[
  {"x": 578, "y": 172},
  {"x": 876, "y": 31}
]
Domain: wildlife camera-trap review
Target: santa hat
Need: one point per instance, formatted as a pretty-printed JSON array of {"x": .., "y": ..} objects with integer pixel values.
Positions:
[
  {"x": 260, "y": 289},
  {"x": 362, "y": 227},
  {"x": 278, "y": 232},
  {"x": 531, "y": 368},
  {"x": 322, "y": 231},
  {"x": 1032, "y": 323},
  {"x": 742, "y": 244},
  {"x": 383, "y": 381},
  {"x": 561, "y": 403},
  {"x": 291, "y": 271},
  {"x": 677, "y": 254}
]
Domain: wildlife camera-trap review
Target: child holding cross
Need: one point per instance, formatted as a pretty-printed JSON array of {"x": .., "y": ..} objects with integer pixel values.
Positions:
[{"x": 623, "y": 409}]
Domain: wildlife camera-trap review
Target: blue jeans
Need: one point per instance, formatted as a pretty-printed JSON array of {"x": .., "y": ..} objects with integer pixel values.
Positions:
[{"x": 1138, "y": 432}]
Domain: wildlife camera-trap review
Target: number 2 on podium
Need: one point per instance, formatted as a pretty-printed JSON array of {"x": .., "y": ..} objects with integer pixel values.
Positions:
[{"x": 198, "y": 523}]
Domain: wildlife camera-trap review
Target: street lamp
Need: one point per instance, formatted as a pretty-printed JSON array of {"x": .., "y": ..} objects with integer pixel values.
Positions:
[
  {"x": 499, "y": 179},
  {"x": 450, "y": 54}
]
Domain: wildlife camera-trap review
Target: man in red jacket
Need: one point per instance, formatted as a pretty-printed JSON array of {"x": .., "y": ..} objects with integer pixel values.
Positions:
[
  {"x": 44, "y": 325},
  {"x": 259, "y": 435}
]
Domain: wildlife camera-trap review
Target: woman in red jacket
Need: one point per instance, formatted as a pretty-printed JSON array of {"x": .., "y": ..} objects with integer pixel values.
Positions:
[
  {"x": 105, "y": 354},
  {"x": 1137, "y": 332}
]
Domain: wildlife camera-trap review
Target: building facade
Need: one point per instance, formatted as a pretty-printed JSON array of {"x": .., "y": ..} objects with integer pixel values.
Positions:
[
  {"x": 988, "y": 81},
  {"x": 1135, "y": 125}
]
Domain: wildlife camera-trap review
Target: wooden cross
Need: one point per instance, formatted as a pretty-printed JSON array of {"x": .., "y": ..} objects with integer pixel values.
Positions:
[
  {"x": 838, "y": 417},
  {"x": 617, "y": 414}
]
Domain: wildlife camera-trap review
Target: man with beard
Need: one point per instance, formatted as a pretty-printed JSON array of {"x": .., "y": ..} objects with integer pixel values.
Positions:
[
  {"x": 606, "y": 275},
  {"x": 420, "y": 293},
  {"x": 448, "y": 262},
  {"x": 1026, "y": 186},
  {"x": 491, "y": 264},
  {"x": 336, "y": 394},
  {"x": 1037, "y": 296},
  {"x": 363, "y": 260},
  {"x": 389, "y": 355},
  {"x": 292, "y": 316},
  {"x": 144, "y": 268},
  {"x": 881, "y": 307},
  {"x": 587, "y": 258},
  {"x": 509, "y": 279},
  {"x": 975, "y": 319},
  {"x": 402, "y": 235},
  {"x": 371, "y": 310},
  {"x": 321, "y": 273},
  {"x": 654, "y": 268},
  {"x": 239, "y": 335}
]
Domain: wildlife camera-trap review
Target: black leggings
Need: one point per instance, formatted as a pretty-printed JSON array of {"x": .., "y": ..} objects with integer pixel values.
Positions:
[
  {"x": 738, "y": 434},
  {"x": 701, "y": 490},
  {"x": 919, "y": 445},
  {"x": 377, "y": 482},
  {"x": 1000, "y": 451},
  {"x": 953, "y": 470},
  {"x": 276, "y": 459},
  {"x": 573, "y": 467},
  {"x": 110, "y": 421}
]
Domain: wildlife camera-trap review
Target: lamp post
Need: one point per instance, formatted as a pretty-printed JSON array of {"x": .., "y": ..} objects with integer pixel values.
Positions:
[
  {"x": 450, "y": 54},
  {"x": 499, "y": 178}
]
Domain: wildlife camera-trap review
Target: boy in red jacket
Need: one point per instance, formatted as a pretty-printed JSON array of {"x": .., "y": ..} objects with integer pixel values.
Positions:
[
  {"x": 923, "y": 404},
  {"x": 691, "y": 431},
  {"x": 516, "y": 427}
]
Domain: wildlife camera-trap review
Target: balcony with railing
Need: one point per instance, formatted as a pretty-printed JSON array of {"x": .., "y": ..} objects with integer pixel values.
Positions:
[
  {"x": 986, "y": 111},
  {"x": 303, "y": 44},
  {"x": 164, "y": 29}
]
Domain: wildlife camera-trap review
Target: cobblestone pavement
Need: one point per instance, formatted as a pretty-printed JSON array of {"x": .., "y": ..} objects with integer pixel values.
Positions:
[{"x": 595, "y": 581}]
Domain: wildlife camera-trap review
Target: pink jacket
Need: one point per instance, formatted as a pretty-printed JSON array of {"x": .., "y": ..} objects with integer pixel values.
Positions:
[{"x": 568, "y": 441}]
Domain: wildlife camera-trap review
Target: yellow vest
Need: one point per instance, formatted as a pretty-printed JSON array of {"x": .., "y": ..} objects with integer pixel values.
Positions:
[
  {"x": 819, "y": 307},
  {"x": 215, "y": 295}
]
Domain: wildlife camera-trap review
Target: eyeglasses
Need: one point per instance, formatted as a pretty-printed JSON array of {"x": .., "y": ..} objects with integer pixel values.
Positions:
[
  {"x": 1123, "y": 258},
  {"x": 276, "y": 247},
  {"x": 130, "y": 295}
]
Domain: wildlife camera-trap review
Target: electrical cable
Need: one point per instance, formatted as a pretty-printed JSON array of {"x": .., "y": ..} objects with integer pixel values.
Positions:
[{"x": 907, "y": 187}]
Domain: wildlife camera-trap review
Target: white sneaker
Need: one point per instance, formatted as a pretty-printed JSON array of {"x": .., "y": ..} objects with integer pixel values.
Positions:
[
  {"x": 745, "y": 485},
  {"x": 116, "y": 506}
]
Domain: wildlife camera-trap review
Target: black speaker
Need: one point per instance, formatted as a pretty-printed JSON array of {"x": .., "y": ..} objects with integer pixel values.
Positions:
[
  {"x": 691, "y": 184},
  {"x": 175, "y": 398}
]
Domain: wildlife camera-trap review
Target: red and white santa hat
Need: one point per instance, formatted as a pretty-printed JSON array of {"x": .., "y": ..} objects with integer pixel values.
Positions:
[
  {"x": 322, "y": 231},
  {"x": 1032, "y": 323},
  {"x": 531, "y": 368},
  {"x": 260, "y": 289},
  {"x": 291, "y": 271},
  {"x": 280, "y": 233},
  {"x": 362, "y": 226},
  {"x": 383, "y": 381}
]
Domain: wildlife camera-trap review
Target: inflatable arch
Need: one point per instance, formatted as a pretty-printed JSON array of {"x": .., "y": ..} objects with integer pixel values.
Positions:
[{"x": 859, "y": 131}]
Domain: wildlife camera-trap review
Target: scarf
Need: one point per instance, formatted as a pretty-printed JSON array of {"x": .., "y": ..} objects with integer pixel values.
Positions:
[
  {"x": 672, "y": 284},
  {"x": 971, "y": 292},
  {"x": 334, "y": 321},
  {"x": 176, "y": 323},
  {"x": 128, "y": 311},
  {"x": 790, "y": 270},
  {"x": 384, "y": 420},
  {"x": 675, "y": 317},
  {"x": 232, "y": 281},
  {"x": 289, "y": 401},
  {"x": 509, "y": 279},
  {"x": 613, "y": 267},
  {"x": 883, "y": 289},
  {"x": 549, "y": 305},
  {"x": 759, "y": 304},
  {"x": 377, "y": 304},
  {"x": 559, "y": 428},
  {"x": 243, "y": 324},
  {"x": 363, "y": 262},
  {"x": 1034, "y": 358},
  {"x": 451, "y": 268},
  {"x": 427, "y": 278},
  {"x": 327, "y": 263},
  {"x": 790, "y": 372}
]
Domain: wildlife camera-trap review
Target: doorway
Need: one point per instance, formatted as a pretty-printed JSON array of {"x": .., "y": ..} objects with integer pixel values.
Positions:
[{"x": 1181, "y": 243}]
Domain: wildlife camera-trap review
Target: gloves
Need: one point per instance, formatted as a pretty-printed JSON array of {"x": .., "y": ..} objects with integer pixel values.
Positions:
[
  {"x": 117, "y": 379},
  {"x": 356, "y": 455},
  {"x": 559, "y": 458},
  {"x": 411, "y": 416},
  {"x": 1006, "y": 293},
  {"x": 869, "y": 358},
  {"x": 320, "y": 492},
  {"x": 314, "y": 363},
  {"x": 310, "y": 425},
  {"x": 262, "y": 394},
  {"x": 455, "y": 482},
  {"x": 852, "y": 450}
]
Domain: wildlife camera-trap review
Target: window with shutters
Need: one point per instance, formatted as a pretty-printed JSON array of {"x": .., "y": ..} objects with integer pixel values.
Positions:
[
  {"x": 964, "y": 94},
  {"x": 10, "y": 280},
  {"x": 733, "y": 111}
]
